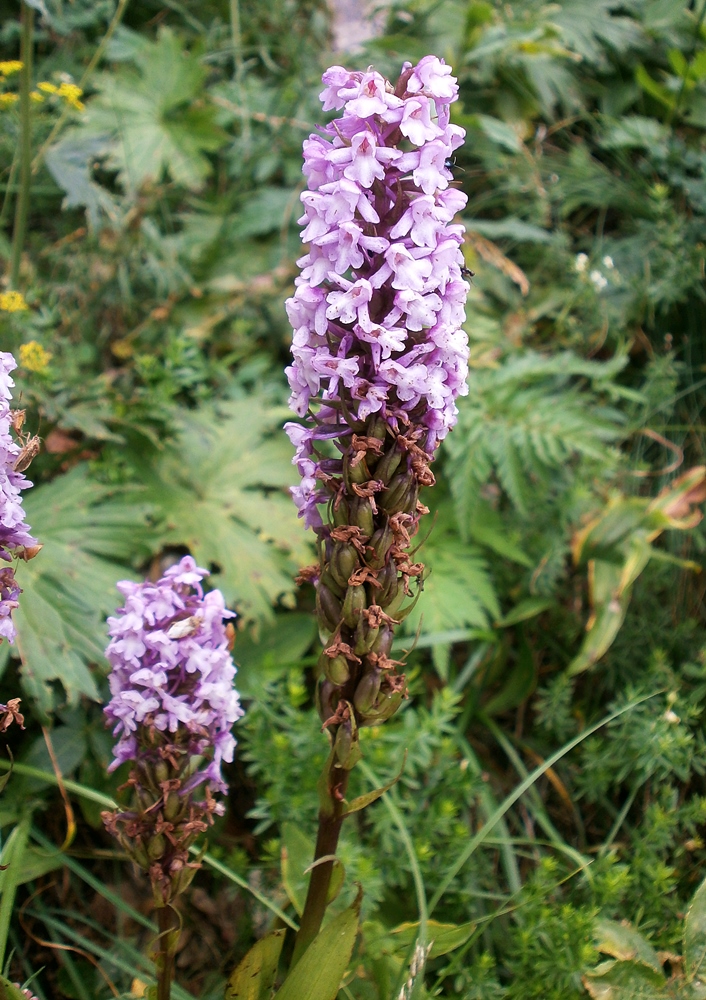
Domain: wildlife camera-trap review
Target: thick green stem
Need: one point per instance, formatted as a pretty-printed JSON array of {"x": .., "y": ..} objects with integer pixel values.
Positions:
[
  {"x": 22, "y": 206},
  {"x": 330, "y": 823},
  {"x": 165, "y": 953}
]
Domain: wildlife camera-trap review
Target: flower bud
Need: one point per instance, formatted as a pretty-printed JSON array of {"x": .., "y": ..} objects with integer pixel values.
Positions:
[
  {"x": 354, "y": 473},
  {"x": 354, "y": 602}
]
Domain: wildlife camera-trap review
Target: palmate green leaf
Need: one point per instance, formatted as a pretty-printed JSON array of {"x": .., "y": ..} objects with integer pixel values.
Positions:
[
  {"x": 89, "y": 532},
  {"x": 156, "y": 117},
  {"x": 221, "y": 492}
]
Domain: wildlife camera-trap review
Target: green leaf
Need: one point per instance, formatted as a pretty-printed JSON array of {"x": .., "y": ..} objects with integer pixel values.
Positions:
[
  {"x": 221, "y": 492},
  {"x": 87, "y": 531},
  {"x": 361, "y": 801},
  {"x": 318, "y": 973},
  {"x": 500, "y": 132},
  {"x": 695, "y": 935},
  {"x": 8, "y": 990},
  {"x": 443, "y": 938},
  {"x": 624, "y": 981},
  {"x": 270, "y": 653},
  {"x": 625, "y": 943},
  {"x": 157, "y": 118},
  {"x": 530, "y": 607},
  {"x": 634, "y": 132},
  {"x": 254, "y": 978},
  {"x": 519, "y": 685}
]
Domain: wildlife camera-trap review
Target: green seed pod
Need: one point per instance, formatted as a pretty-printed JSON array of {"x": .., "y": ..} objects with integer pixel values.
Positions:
[
  {"x": 388, "y": 464},
  {"x": 138, "y": 853},
  {"x": 367, "y": 691},
  {"x": 377, "y": 427},
  {"x": 383, "y": 642},
  {"x": 344, "y": 560},
  {"x": 327, "y": 695},
  {"x": 388, "y": 578},
  {"x": 365, "y": 637},
  {"x": 384, "y": 708},
  {"x": 395, "y": 492},
  {"x": 409, "y": 501},
  {"x": 340, "y": 514},
  {"x": 380, "y": 543},
  {"x": 354, "y": 602},
  {"x": 173, "y": 806},
  {"x": 336, "y": 669},
  {"x": 361, "y": 512},
  {"x": 161, "y": 771},
  {"x": 156, "y": 847},
  {"x": 328, "y": 581},
  {"x": 354, "y": 473},
  {"x": 346, "y": 745},
  {"x": 328, "y": 608}
]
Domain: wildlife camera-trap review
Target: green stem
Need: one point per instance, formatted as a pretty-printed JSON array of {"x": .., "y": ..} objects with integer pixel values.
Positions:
[
  {"x": 22, "y": 206},
  {"x": 11, "y": 186},
  {"x": 330, "y": 823},
  {"x": 165, "y": 953}
]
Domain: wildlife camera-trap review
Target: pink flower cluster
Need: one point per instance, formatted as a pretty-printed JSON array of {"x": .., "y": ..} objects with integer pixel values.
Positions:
[
  {"x": 380, "y": 300},
  {"x": 172, "y": 670},
  {"x": 14, "y": 532}
]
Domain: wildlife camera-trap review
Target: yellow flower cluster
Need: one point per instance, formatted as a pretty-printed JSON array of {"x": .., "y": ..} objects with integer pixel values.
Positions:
[
  {"x": 12, "y": 302},
  {"x": 7, "y": 100},
  {"x": 33, "y": 357},
  {"x": 69, "y": 92},
  {"x": 10, "y": 66}
]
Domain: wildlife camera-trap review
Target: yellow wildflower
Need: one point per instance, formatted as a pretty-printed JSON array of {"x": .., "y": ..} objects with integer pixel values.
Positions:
[
  {"x": 48, "y": 88},
  {"x": 7, "y": 100},
  {"x": 10, "y": 66},
  {"x": 71, "y": 94},
  {"x": 12, "y": 302},
  {"x": 36, "y": 96},
  {"x": 33, "y": 357}
]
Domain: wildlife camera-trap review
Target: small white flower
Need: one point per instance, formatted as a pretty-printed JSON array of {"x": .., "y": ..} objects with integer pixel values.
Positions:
[
  {"x": 608, "y": 262},
  {"x": 581, "y": 262},
  {"x": 599, "y": 280}
]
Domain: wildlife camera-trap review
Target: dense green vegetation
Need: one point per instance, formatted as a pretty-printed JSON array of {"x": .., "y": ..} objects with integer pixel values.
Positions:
[{"x": 565, "y": 557}]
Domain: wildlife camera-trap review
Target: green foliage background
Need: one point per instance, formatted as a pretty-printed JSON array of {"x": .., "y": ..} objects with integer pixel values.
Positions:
[{"x": 162, "y": 243}]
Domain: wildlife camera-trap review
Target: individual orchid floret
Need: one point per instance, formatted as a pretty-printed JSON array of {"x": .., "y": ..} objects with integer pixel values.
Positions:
[
  {"x": 379, "y": 359},
  {"x": 173, "y": 707}
]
